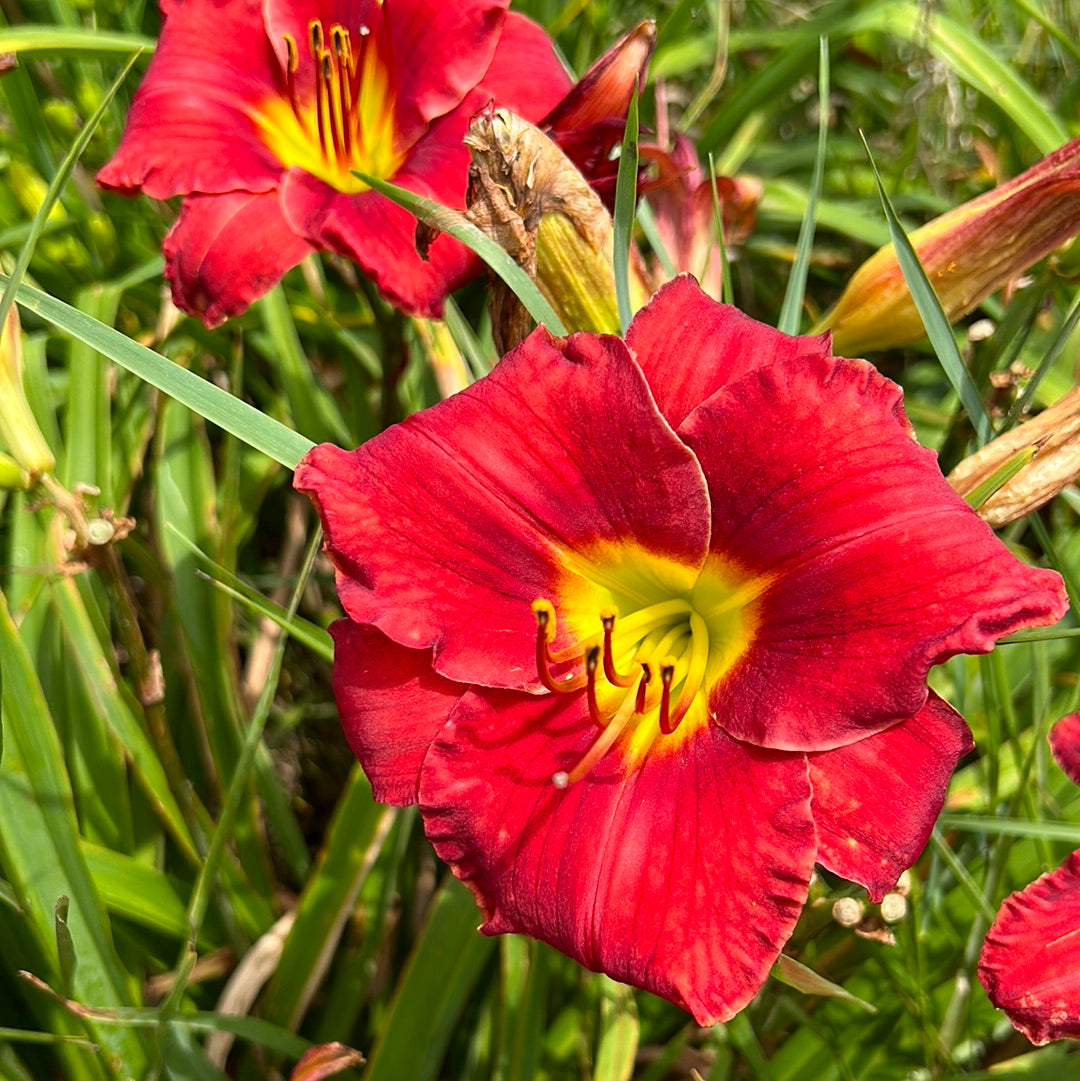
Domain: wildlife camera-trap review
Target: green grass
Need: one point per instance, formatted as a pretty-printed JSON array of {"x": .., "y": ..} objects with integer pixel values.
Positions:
[{"x": 171, "y": 758}]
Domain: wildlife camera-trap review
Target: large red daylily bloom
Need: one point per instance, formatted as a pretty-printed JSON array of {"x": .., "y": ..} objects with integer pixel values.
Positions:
[
  {"x": 262, "y": 111},
  {"x": 644, "y": 628},
  {"x": 1030, "y": 961}
]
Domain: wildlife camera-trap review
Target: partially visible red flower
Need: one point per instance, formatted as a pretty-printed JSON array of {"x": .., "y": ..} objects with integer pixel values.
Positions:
[
  {"x": 261, "y": 112},
  {"x": 1030, "y": 962},
  {"x": 645, "y": 627},
  {"x": 1065, "y": 746},
  {"x": 685, "y": 212}
]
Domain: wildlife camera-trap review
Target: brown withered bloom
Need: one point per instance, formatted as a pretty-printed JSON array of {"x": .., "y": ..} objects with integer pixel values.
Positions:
[
  {"x": 527, "y": 196},
  {"x": 1055, "y": 436}
]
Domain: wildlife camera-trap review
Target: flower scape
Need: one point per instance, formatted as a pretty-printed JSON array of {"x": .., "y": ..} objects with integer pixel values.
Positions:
[{"x": 644, "y": 628}]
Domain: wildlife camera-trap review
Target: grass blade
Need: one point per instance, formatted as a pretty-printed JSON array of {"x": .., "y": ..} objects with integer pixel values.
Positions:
[
  {"x": 791, "y": 309},
  {"x": 623, "y": 222},
  {"x": 933, "y": 315},
  {"x": 247, "y": 423},
  {"x": 455, "y": 224}
]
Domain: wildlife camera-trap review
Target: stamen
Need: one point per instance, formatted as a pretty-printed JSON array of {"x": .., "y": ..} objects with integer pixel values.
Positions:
[
  {"x": 545, "y": 632},
  {"x": 667, "y": 674},
  {"x": 607, "y": 618},
  {"x": 315, "y": 38},
  {"x": 643, "y": 689},
  {"x": 291, "y": 66},
  {"x": 603, "y": 744},
  {"x": 592, "y": 661},
  {"x": 290, "y": 49},
  {"x": 695, "y": 671}
]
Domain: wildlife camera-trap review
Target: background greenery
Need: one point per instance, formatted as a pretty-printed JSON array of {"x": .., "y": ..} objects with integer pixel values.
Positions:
[{"x": 172, "y": 764}]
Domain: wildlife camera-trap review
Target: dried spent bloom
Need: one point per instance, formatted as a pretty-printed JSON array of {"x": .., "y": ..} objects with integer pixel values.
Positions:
[
  {"x": 967, "y": 253},
  {"x": 1030, "y": 961},
  {"x": 644, "y": 628},
  {"x": 1053, "y": 435},
  {"x": 261, "y": 114},
  {"x": 527, "y": 196}
]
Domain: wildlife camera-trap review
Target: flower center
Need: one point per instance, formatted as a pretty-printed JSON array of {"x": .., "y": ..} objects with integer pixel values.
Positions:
[
  {"x": 338, "y": 116},
  {"x": 650, "y": 640}
]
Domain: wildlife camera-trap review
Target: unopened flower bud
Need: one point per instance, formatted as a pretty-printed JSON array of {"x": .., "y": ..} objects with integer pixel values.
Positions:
[
  {"x": 848, "y": 911},
  {"x": 967, "y": 253},
  {"x": 893, "y": 907},
  {"x": 1049, "y": 441},
  {"x": 19, "y": 432}
]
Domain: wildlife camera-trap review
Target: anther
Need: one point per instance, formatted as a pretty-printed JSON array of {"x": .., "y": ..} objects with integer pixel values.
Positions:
[
  {"x": 607, "y": 618},
  {"x": 592, "y": 662},
  {"x": 293, "y": 56},
  {"x": 667, "y": 674},
  {"x": 315, "y": 37}
]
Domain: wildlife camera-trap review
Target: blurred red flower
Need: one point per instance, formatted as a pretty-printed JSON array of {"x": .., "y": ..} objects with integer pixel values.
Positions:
[
  {"x": 260, "y": 113},
  {"x": 1030, "y": 961},
  {"x": 645, "y": 627}
]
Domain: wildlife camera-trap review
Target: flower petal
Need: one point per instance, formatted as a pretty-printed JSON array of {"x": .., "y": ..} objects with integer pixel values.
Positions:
[
  {"x": 1065, "y": 745},
  {"x": 875, "y": 801},
  {"x": 684, "y": 876},
  {"x": 1030, "y": 962},
  {"x": 225, "y": 251},
  {"x": 689, "y": 346},
  {"x": 190, "y": 127},
  {"x": 878, "y": 570},
  {"x": 526, "y": 75},
  {"x": 392, "y": 705},
  {"x": 445, "y": 528},
  {"x": 380, "y": 236}
]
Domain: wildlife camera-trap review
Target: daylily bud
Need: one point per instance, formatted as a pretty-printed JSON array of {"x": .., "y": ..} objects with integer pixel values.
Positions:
[
  {"x": 529, "y": 198},
  {"x": 12, "y": 475},
  {"x": 967, "y": 253},
  {"x": 447, "y": 364},
  {"x": 19, "y": 432},
  {"x": 1055, "y": 436}
]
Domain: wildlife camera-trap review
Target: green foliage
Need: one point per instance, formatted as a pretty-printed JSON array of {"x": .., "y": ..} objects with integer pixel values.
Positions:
[{"x": 170, "y": 760}]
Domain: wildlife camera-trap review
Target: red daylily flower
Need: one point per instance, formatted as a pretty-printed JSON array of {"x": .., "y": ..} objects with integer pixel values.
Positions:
[
  {"x": 644, "y": 628},
  {"x": 684, "y": 211},
  {"x": 1030, "y": 961},
  {"x": 261, "y": 112}
]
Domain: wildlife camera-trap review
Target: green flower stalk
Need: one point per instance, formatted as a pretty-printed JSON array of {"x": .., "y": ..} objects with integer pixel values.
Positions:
[
  {"x": 967, "y": 253},
  {"x": 29, "y": 457}
]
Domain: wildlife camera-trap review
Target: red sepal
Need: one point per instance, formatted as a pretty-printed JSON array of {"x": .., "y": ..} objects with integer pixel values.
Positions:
[
  {"x": 224, "y": 251},
  {"x": 392, "y": 705},
  {"x": 684, "y": 876},
  {"x": 1065, "y": 745},
  {"x": 876, "y": 801}
]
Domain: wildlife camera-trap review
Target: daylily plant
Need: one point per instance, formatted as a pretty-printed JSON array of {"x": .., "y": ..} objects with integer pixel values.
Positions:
[
  {"x": 262, "y": 112},
  {"x": 1030, "y": 961},
  {"x": 644, "y": 628}
]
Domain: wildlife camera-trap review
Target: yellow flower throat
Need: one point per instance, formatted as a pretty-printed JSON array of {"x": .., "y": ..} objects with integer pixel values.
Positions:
[
  {"x": 651, "y": 638},
  {"x": 346, "y": 122}
]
